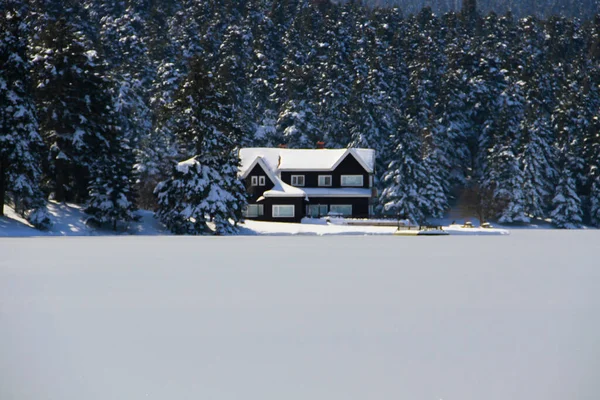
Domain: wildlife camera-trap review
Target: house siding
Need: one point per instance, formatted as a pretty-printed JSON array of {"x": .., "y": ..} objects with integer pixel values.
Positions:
[
  {"x": 360, "y": 205},
  {"x": 297, "y": 202},
  {"x": 254, "y": 192},
  {"x": 348, "y": 166}
]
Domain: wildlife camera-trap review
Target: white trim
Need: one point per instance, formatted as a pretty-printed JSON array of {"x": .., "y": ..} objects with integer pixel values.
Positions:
[
  {"x": 261, "y": 180},
  {"x": 277, "y": 206},
  {"x": 362, "y": 180},
  {"x": 296, "y": 178},
  {"x": 325, "y": 176},
  {"x": 356, "y": 157},
  {"x": 254, "y": 180}
]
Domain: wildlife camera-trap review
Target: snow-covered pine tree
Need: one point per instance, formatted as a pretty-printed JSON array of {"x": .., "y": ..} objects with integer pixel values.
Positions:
[
  {"x": 501, "y": 173},
  {"x": 297, "y": 122},
  {"x": 537, "y": 160},
  {"x": 374, "y": 94},
  {"x": 21, "y": 145},
  {"x": 405, "y": 177},
  {"x": 261, "y": 71},
  {"x": 566, "y": 204},
  {"x": 111, "y": 191},
  {"x": 73, "y": 99},
  {"x": 595, "y": 200},
  {"x": 123, "y": 34},
  {"x": 425, "y": 69},
  {"x": 535, "y": 150},
  {"x": 453, "y": 127},
  {"x": 333, "y": 74},
  {"x": 207, "y": 131}
]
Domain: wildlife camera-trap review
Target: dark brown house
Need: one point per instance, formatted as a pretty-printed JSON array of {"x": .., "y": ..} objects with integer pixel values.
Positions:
[{"x": 287, "y": 185}]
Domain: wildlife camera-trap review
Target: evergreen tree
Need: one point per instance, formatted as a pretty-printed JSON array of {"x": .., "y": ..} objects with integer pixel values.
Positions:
[
  {"x": 566, "y": 204},
  {"x": 206, "y": 130},
  {"x": 405, "y": 177},
  {"x": 72, "y": 97},
  {"x": 20, "y": 143},
  {"x": 112, "y": 198}
]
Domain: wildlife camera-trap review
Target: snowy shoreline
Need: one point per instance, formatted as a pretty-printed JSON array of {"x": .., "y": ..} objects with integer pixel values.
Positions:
[{"x": 69, "y": 220}]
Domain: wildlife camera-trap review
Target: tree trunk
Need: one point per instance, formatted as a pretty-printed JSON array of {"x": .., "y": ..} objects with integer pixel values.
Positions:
[{"x": 59, "y": 190}]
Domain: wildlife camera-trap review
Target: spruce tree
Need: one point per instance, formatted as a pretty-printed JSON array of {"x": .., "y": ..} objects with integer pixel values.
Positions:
[
  {"x": 207, "y": 131},
  {"x": 112, "y": 198},
  {"x": 405, "y": 177},
  {"x": 21, "y": 146},
  {"x": 72, "y": 96},
  {"x": 566, "y": 204}
]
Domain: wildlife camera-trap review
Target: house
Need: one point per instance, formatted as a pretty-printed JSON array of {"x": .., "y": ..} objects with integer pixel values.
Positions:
[{"x": 288, "y": 184}]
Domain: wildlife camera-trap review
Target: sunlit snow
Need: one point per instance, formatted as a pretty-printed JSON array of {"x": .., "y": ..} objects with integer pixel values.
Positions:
[{"x": 495, "y": 318}]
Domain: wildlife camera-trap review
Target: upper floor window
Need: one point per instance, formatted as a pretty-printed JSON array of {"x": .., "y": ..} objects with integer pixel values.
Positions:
[
  {"x": 297, "y": 180},
  {"x": 257, "y": 181},
  {"x": 352, "y": 180},
  {"x": 324, "y": 180}
]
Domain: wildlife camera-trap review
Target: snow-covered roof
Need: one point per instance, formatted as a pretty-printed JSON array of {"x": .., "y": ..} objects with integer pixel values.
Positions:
[
  {"x": 303, "y": 159},
  {"x": 282, "y": 189},
  {"x": 275, "y": 160}
]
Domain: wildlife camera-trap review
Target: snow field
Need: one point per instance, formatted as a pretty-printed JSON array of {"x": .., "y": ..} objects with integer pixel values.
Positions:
[{"x": 513, "y": 317}]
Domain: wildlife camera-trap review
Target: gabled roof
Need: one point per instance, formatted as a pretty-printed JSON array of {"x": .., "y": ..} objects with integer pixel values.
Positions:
[
  {"x": 264, "y": 166},
  {"x": 303, "y": 159}
]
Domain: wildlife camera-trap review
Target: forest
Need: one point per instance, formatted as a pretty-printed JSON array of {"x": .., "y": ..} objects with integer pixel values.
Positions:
[
  {"x": 582, "y": 9},
  {"x": 127, "y": 104}
]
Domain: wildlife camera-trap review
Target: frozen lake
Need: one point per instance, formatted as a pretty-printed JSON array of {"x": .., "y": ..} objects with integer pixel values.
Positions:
[{"x": 289, "y": 318}]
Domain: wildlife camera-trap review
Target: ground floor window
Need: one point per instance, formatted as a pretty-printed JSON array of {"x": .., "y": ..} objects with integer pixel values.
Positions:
[
  {"x": 343, "y": 209},
  {"x": 316, "y": 210},
  {"x": 283, "y": 211},
  {"x": 254, "y": 210}
]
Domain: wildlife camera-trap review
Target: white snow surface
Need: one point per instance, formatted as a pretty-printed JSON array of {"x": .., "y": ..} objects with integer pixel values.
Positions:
[{"x": 271, "y": 318}]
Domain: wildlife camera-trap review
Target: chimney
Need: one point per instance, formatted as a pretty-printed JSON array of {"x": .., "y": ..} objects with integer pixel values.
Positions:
[{"x": 320, "y": 144}]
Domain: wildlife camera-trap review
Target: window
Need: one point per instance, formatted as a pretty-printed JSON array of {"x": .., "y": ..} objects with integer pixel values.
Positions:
[
  {"x": 316, "y": 210},
  {"x": 324, "y": 180},
  {"x": 343, "y": 209},
  {"x": 297, "y": 180},
  {"x": 283, "y": 211},
  {"x": 261, "y": 181},
  {"x": 254, "y": 181},
  {"x": 370, "y": 180},
  {"x": 352, "y": 180},
  {"x": 254, "y": 210}
]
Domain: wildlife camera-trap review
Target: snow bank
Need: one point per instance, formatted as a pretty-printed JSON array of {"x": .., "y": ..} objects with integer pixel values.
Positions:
[{"x": 69, "y": 220}]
